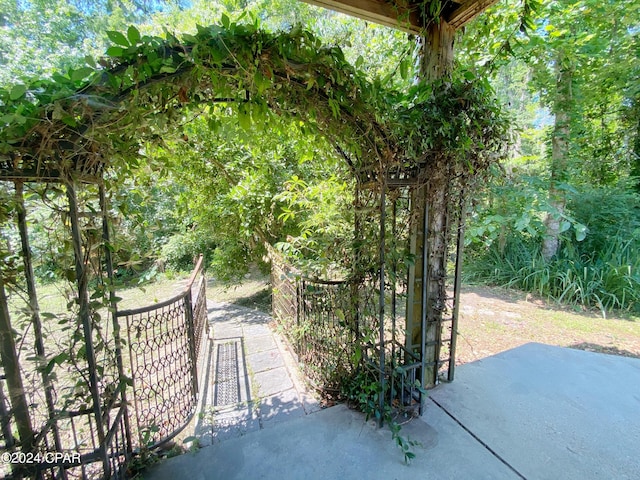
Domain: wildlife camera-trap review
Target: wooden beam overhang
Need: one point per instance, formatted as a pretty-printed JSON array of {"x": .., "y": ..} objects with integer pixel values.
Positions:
[
  {"x": 387, "y": 13},
  {"x": 406, "y": 15},
  {"x": 463, "y": 12}
]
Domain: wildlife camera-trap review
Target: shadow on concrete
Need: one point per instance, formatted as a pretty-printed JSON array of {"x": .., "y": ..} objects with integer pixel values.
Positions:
[
  {"x": 227, "y": 409},
  {"x": 221, "y": 416},
  {"x": 245, "y": 385},
  {"x": 258, "y": 301},
  {"x": 609, "y": 350},
  {"x": 230, "y": 312}
]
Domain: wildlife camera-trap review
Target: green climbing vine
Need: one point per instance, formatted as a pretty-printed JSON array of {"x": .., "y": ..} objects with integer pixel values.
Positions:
[{"x": 103, "y": 112}]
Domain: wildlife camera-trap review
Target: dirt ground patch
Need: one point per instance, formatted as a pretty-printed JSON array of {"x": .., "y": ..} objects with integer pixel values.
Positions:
[{"x": 493, "y": 320}]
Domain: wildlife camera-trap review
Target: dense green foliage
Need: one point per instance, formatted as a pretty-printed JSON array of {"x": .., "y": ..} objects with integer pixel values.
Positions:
[
  {"x": 228, "y": 191},
  {"x": 219, "y": 91},
  {"x": 244, "y": 188},
  {"x": 588, "y": 186},
  {"x": 40, "y": 37},
  {"x": 229, "y": 163},
  {"x": 145, "y": 222}
]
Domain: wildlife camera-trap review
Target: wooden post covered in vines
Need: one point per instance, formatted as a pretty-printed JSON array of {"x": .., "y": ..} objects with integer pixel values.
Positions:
[
  {"x": 429, "y": 227},
  {"x": 433, "y": 206}
]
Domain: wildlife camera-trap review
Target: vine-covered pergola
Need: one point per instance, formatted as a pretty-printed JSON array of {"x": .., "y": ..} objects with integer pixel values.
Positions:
[{"x": 414, "y": 156}]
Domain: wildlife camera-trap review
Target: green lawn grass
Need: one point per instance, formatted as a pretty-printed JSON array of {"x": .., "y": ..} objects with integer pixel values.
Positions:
[{"x": 52, "y": 298}]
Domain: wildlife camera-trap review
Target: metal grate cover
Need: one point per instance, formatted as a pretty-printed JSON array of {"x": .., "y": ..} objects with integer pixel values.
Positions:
[{"x": 227, "y": 379}]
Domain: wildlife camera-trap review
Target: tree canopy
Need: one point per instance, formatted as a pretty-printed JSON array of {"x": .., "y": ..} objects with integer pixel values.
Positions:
[{"x": 148, "y": 91}]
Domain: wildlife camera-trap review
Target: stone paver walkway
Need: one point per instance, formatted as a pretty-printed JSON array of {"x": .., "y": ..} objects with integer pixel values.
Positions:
[{"x": 251, "y": 380}]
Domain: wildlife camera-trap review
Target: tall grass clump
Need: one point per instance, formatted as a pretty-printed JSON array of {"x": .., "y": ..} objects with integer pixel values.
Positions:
[{"x": 601, "y": 271}]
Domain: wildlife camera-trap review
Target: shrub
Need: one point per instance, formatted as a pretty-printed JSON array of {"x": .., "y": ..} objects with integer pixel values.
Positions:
[{"x": 178, "y": 253}]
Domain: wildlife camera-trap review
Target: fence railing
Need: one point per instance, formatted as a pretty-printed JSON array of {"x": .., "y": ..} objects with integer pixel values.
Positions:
[
  {"x": 164, "y": 342},
  {"x": 82, "y": 456},
  {"x": 333, "y": 327},
  {"x": 76, "y": 450},
  {"x": 316, "y": 316}
]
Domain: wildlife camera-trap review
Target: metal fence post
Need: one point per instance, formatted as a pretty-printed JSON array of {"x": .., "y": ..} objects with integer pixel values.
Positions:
[
  {"x": 35, "y": 310},
  {"x": 11, "y": 366},
  {"x": 82, "y": 281},
  {"x": 188, "y": 305},
  {"x": 114, "y": 313},
  {"x": 381, "y": 299},
  {"x": 456, "y": 286}
]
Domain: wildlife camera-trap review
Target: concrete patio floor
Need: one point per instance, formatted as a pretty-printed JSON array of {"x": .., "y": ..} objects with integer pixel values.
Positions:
[{"x": 534, "y": 412}]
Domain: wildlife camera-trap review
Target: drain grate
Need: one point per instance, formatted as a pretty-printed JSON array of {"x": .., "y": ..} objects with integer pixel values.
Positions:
[{"x": 227, "y": 391}]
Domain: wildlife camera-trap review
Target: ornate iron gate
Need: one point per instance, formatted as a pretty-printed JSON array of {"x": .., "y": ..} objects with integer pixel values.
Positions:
[
  {"x": 370, "y": 317},
  {"x": 65, "y": 414}
]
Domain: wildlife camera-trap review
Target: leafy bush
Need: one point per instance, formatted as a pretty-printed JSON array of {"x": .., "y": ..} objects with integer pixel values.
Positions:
[
  {"x": 178, "y": 253},
  {"x": 608, "y": 280},
  {"x": 230, "y": 261},
  {"x": 612, "y": 215}
]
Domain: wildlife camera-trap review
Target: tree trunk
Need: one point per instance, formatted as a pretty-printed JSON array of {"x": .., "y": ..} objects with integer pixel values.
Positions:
[
  {"x": 635, "y": 152},
  {"x": 559, "y": 156}
]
